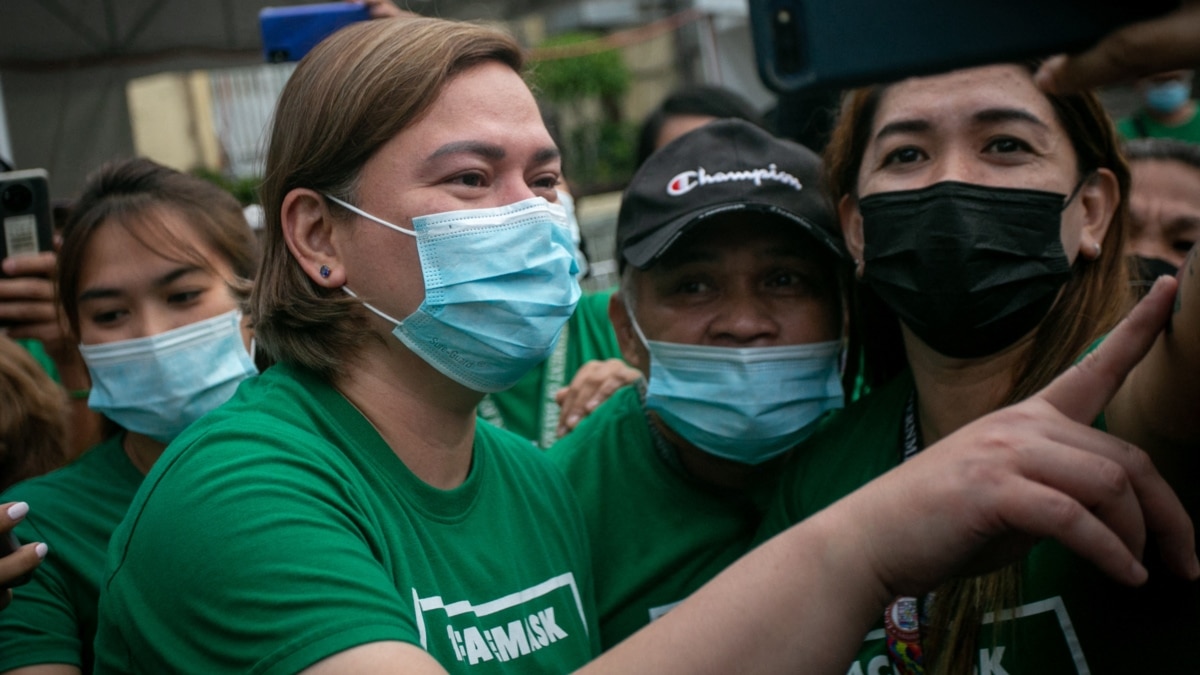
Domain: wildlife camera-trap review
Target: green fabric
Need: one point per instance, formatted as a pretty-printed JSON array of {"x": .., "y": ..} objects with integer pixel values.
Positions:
[
  {"x": 35, "y": 348},
  {"x": 1189, "y": 131},
  {"x": 1072, "y": 619},
  {"x": 281, "y": 529},
  {"x": 74, "y": 510},
  {"x": 656, "y": 537},
  {"x": 524, "y": 409}
]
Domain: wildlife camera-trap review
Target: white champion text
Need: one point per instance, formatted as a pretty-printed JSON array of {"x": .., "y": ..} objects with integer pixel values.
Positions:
[{"x": 687, "y": 181}]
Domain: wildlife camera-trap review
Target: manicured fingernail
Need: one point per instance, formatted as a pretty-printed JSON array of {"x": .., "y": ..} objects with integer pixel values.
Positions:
[
  {"x": 41, "y": 550},
  {"x": 592, "y": 404},
  {"x": 562, "y": 431},
  {"x": 17, "y": 511},
  {"x": 573, "y": 420}
]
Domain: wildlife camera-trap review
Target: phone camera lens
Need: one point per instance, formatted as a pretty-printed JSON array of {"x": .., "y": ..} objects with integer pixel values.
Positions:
[{"x": 16, "y": 198}]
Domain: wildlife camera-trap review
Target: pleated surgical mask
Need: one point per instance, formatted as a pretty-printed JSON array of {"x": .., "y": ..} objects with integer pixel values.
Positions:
[{"x": 499, "y": 287}]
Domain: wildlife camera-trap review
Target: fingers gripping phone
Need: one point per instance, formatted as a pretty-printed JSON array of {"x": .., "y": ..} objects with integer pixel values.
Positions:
[
  {"x": 25, "y": 215},
  {"x": 819, "y": 44}
]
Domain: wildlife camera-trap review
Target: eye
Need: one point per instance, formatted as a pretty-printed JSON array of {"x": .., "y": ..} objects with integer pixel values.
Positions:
[
  {"x": 545, "y": 183},
  {"x": 184, "y": 297},
  {"x": 905, "y": 155},
  {"x": 108, "y": 317},
  {"x": 1183, "y": 245},
  {"x": 691, "y": 287},
  {"x": 473, "y": 179},
  {"x": 1007, "y": 144}
]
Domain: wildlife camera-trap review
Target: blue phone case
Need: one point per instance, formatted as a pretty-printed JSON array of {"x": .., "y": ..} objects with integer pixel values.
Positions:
[
  {"x": 288, "y": 33},
  {"x": 817, "y": 44}
]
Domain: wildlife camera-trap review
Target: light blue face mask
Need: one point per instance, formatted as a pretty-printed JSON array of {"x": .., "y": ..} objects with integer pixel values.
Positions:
[
  {"x": 499, "y": 287},
  {"x": 745, "y": 404},
  {"x": 1167, "y": 97},
  {"x": 158, "y": 385}
]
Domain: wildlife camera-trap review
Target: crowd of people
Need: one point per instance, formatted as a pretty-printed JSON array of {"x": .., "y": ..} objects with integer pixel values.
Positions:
[{"x": 896, "y": 409}]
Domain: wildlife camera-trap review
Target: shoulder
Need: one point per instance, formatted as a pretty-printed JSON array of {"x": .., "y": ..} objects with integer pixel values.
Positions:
[
  {"x": 616, "y": 425},
  {"x": 101, "y": 464}
]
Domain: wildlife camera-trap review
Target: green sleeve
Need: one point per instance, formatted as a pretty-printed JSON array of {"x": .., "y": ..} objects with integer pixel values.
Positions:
[
  {"x": 41, "y": 625},
  {"x": 295, "y": 582}
]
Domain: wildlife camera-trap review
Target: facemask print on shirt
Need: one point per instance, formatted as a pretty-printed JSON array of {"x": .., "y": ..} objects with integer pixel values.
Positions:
[
  {"x": 1167, "y": 97},
  {"x": 499, "y": 287},
  {"x": 970, "y": 269},
  {"x": 745, "y": 404},
  {"x": 158, "y": 385}
]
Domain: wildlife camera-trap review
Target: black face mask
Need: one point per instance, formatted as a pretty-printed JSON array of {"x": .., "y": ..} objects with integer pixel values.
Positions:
[
  {"x": 969, "y": 269},
  {"x": 1147, "y": 270}
]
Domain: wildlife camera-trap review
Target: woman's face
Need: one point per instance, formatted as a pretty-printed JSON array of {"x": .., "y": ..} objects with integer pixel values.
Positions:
[
  {"x": 988, "y": 126},
  {"x": 482, "y": 144},
  {"x": 128, "y": 290}
]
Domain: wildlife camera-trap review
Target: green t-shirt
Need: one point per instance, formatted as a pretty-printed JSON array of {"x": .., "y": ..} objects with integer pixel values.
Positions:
[
  {"x": 1141, "y": 125},
  {"x": 281, "y": 529},
  {"x": 74, "y": 510},
  {"x": 656, "y": 536},
  {"x": 528, "y": 408},
  {"x": 1071, "y": 620}
]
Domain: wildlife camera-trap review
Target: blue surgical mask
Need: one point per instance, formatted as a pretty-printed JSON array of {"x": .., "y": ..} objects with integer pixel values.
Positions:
[
  {"x": 745, "y": 404},
  {"x": 158, "y": 385},
  {"x": 499, "y": 287},
  {"x": 1167, "y": 97},
  {"x": 568, "y": 203}
]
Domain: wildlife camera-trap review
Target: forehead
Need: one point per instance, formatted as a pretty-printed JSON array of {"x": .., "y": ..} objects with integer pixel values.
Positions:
[
  {"x": 488, "y": 101},
  {"x": 1165, "y": 177},
  {"x": 153, "y": 237},
  {"x": 956, "y": 96}
]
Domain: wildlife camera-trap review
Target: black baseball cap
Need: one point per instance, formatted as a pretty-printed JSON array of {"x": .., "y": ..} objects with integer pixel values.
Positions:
[{"x": 724, "y": 166}]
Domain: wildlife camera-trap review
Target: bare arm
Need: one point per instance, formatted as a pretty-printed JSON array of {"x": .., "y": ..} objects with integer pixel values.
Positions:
[{"x": 45, "y": 669}]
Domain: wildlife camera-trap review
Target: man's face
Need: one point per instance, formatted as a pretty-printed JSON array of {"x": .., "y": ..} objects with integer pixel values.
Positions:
[
  {"x": 738, "y": 280},
  {"x": 1165, "y": 204}
]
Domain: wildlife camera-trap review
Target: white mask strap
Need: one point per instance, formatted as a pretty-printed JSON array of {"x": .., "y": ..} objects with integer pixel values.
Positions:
[
  {"x": 366, "y": 304},
  {"x": 364, "y": 214}
]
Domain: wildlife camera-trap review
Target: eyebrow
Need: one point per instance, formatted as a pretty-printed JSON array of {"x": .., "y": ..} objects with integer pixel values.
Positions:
[
  {"x": 488, "y": 151},
  {"x": 167, "y": 279},
  {"x": 986, "y": 116}
]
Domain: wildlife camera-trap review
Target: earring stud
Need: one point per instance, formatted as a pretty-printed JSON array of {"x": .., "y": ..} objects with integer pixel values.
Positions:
[
  {"x": 325, "y": 272},
  {"x": 1097, "y": 247}
]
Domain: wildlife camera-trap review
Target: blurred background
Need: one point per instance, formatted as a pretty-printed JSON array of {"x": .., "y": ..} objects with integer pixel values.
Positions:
[{"x": 185, "y": 83}]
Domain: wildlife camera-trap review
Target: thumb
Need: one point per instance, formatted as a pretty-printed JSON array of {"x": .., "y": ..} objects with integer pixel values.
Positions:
[{"x": 1083, "y": 391}]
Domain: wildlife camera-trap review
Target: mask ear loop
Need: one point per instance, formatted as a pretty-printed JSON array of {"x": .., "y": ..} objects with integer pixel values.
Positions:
[
  {"x": 1078, "y": 186},
  {"x": 364, "y": 214}
]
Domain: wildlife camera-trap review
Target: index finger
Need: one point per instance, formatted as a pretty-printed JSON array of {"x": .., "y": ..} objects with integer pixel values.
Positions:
[
  {"x": 40, "y": 265},
  {"x": 1082, "y": 392}
]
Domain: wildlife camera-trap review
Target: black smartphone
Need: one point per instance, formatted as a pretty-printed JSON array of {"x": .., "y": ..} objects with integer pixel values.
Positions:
[
  {"x": 821, "y": 44},
  {"x": 25, "y": 216},
  {"x": 288, "y": 33},
  {"x": 9, "y": 544}
]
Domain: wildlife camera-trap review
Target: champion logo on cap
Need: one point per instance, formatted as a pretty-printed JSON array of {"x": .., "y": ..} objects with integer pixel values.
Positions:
[{"x": 687, "y": 181}]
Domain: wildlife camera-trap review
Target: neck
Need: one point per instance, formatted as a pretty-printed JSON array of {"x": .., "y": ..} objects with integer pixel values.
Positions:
[
  {"x": 142, "y": 451},
  {"x": 1176, "y": 117},
  {"x": 951, "y": 393},
  {"x": 711, "y": 470},
  {"x": 426, "y": 419}
]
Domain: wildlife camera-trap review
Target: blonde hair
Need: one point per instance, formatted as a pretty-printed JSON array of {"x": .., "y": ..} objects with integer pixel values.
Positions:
[
  {"x": 1095, "y": 298},
  {"x": 33, "y": 417},
  {"x": 348, "y": 97}
]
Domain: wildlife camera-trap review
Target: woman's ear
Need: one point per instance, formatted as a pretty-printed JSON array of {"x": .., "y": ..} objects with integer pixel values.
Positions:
[
  {"x": 1099, "y": 197},
  {"x": 632, "y": 349},
  {"x": 308, "y": 231},
  {"x": 852, "y": 230}
]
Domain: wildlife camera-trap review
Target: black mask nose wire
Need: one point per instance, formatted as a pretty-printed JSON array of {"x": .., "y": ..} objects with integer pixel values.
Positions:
[{"x": 1078, "y": 186}]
